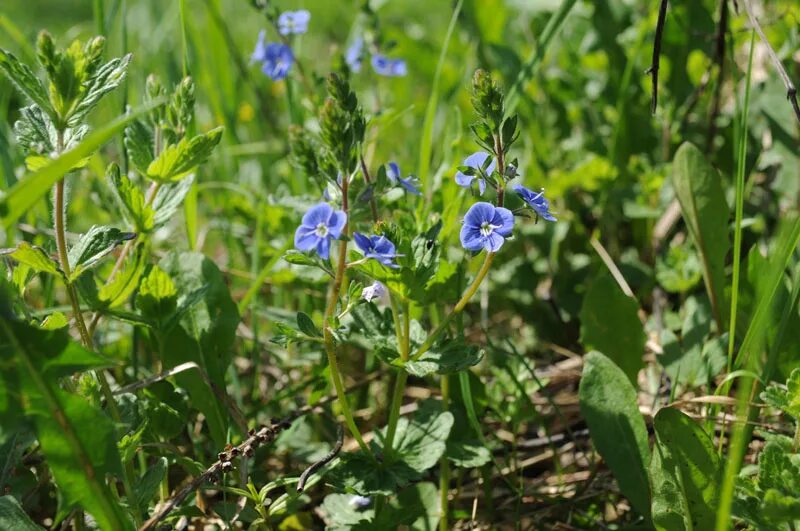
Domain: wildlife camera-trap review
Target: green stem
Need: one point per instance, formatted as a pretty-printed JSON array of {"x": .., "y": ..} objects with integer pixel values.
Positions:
[
  {"x": 330, "y": 347},
  {"x": 465, "y": 298}
]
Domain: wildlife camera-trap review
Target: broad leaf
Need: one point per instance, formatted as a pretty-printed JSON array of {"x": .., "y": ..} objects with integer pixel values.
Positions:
[
  {"x": 787, "y": 400},
  {"x": 306, "y": 325},
  {"x": 169, "y": 198},
  {"x": 13, "y": 517},
  {"x": 468, "y": 453},
  {"x": 116, "y": 292},
  {"x": 78, "y": 441},
  {"x": 610, "y": 324},
  {"x": 139, "y": 143},
  {"x": 93, "y": 247},
  {"x": 130, "y": 200},
  {"x": 451, "y": 357},
  {"x": 25, "y": 80},
  {"x": 685, "y": 474},
  {"x": 35, "y": 258},
  {"x": 148, "y": 484},
  {"x": 158, "y": 296},
  {"x": 104, "y": 80},
  {"x": 608, "y": 403},
  {"x": 698, "y": 187},
  {"x": 177, "y": 160}
]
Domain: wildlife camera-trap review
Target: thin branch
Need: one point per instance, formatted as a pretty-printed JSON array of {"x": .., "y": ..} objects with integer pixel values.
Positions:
[
  {"x": 791, "y": 91},
  {"x": 653, "y": 70},
  {"x": 324, "y": 461},
  {"x": 719, "y": 59}
]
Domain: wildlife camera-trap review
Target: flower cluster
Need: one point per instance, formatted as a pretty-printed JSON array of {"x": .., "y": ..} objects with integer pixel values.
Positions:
[
  {"x": 277, "y": 58},
  {"x": 487, "y": 226},
  {"x": 382, "y": 65}
]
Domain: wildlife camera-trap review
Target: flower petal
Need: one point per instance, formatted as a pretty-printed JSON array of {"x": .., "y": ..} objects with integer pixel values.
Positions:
[
  {"x": 493, "y": 242},
  {"x": 319, "y": 213},
  {"x": 504, "y": 220},
  {"x": 362, "y": 242},
  {"x": 471, "y": 238},
  {"x": 481, "y": 185},
  {"x": 478, "y": 214},
  {"x": 324, "y": 248},
  {"x": 393, "y": 173},
  {"x": 463, "y": 179},
  {"x": 305, "y": 239},
  {"x": 336, "y": 223}
]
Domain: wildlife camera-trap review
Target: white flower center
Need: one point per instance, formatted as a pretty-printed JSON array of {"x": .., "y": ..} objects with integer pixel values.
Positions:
[
  {"x": 487, "y": 228},
  {"x": 321, "y": 230}
]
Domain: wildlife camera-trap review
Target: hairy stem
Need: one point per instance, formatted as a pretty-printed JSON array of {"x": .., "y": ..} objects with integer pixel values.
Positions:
[{"x": 330, "y": 347}]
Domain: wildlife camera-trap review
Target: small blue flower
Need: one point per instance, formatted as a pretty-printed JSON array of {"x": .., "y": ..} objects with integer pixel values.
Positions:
[
  {"x": 320, "y": 225},
  {"x": 388, "y": 67},
  {"x": 486, "y": 227},
  {"x": 409, "y": 183},
  {"x": 536, "y": 201},
  {"x": 374, "y": 291},
  {"x": 377, "y": 247},
  {"x": 276, "y": 59},
  {"x": 355, "y": 54},
  {"x": 293, "y": 22},
  {"x": 476, "y": 160}
]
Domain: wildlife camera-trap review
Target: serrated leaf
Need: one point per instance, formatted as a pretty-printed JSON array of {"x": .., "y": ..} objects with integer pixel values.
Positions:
[
  {"x": 178, "y": 160},
  {"x": 34, "y": 130},
  {"x": 35, "y": 258},
  {"x": 130, "y": 199},
  {"x": 93, "y": 246},
  {"x": 685, "y": 475},
  {"x": 608, "y": 403},
  {"x": 104, "y": 80},
  {"x": 139, "y": 143},
  {"x": 169, "y": 198},
  {"x": 25, "y": 80},
  {"x": 122, "y": 286},
  {"x": 698, "y": 187},
  {"x": 610, "y": 324}
]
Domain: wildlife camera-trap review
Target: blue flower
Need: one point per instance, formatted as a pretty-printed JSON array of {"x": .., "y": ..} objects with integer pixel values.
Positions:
[
  {"x": 388, "y": 67},
  {"x": 276, "y": 59},
  {"x": 486, "y": 227},
  {"x": 536, "y": 201},
  {"x": 377, "y": 247},
  {"x": 409, "y": 183},
  {"x": 320, "y": 225},
  {"x": 374, "y": 291},
  {"x": 476, "y": 161},
  {"x": 354, "y": 55},
  {"x": 293, "y": 22}
]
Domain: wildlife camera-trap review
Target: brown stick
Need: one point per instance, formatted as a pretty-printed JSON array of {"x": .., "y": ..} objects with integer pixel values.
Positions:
[{"x": 653, "y": 70}]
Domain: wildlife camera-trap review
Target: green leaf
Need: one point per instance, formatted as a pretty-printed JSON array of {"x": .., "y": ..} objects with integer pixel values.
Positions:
[
  {"x": 139, "y": 143},
  {"x": 307, "y": 326},
  {"x": 469, "y": 453},
  {"x": 204, "y": 335},
  {"x": 415, "y": 507},
  {"x": 54, "y": 321},
  {"x": 158, "y": 296},
  {"x": 104, "y": 80},
  {"x": 169, "y": 198},
  {"x": 419, "y": 443},
  {"x": 34, "y": 130},
  {"x": 177, "y": 160},
  {"x": 93, "y": 246},
  {"x": 35, "y": 258},
  {"x": 12, "y": 516},
  {"x": 25, "y": 80},
  {"x": 452, "y": 357},
  {"x": 608, "y": 403},
  {"x": 787, "y": 400},
  {"x": 685, "y": 475},
  {"x": 78, "y": 440},
  {"x": 28, "y": 190},
  {"x": 148, "y": 484},
  {"x": 130, "y": 200},
  {"x": 698, "y": 188},
  {"x": 116, "y": 292},
  {"x": 610, "y": 324}
]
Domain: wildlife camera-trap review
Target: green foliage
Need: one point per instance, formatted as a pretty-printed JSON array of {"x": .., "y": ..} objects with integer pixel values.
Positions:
[
  {"x": 13, "y": 517},
  {"x": 35, "y": 258},
  {"x": 608, "y": 403},
  {"x": 698, "y": 187},
  {"x": 788, "y": 399},
  {"x": 178, "y": 160},
  {"x": 684, "y": 473},
  {"x": 415, "y": 508},
  {"x": 609, "y": 323},
  {"x": 93, "y": 246},
  {"x": 78, "y": 439}
]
